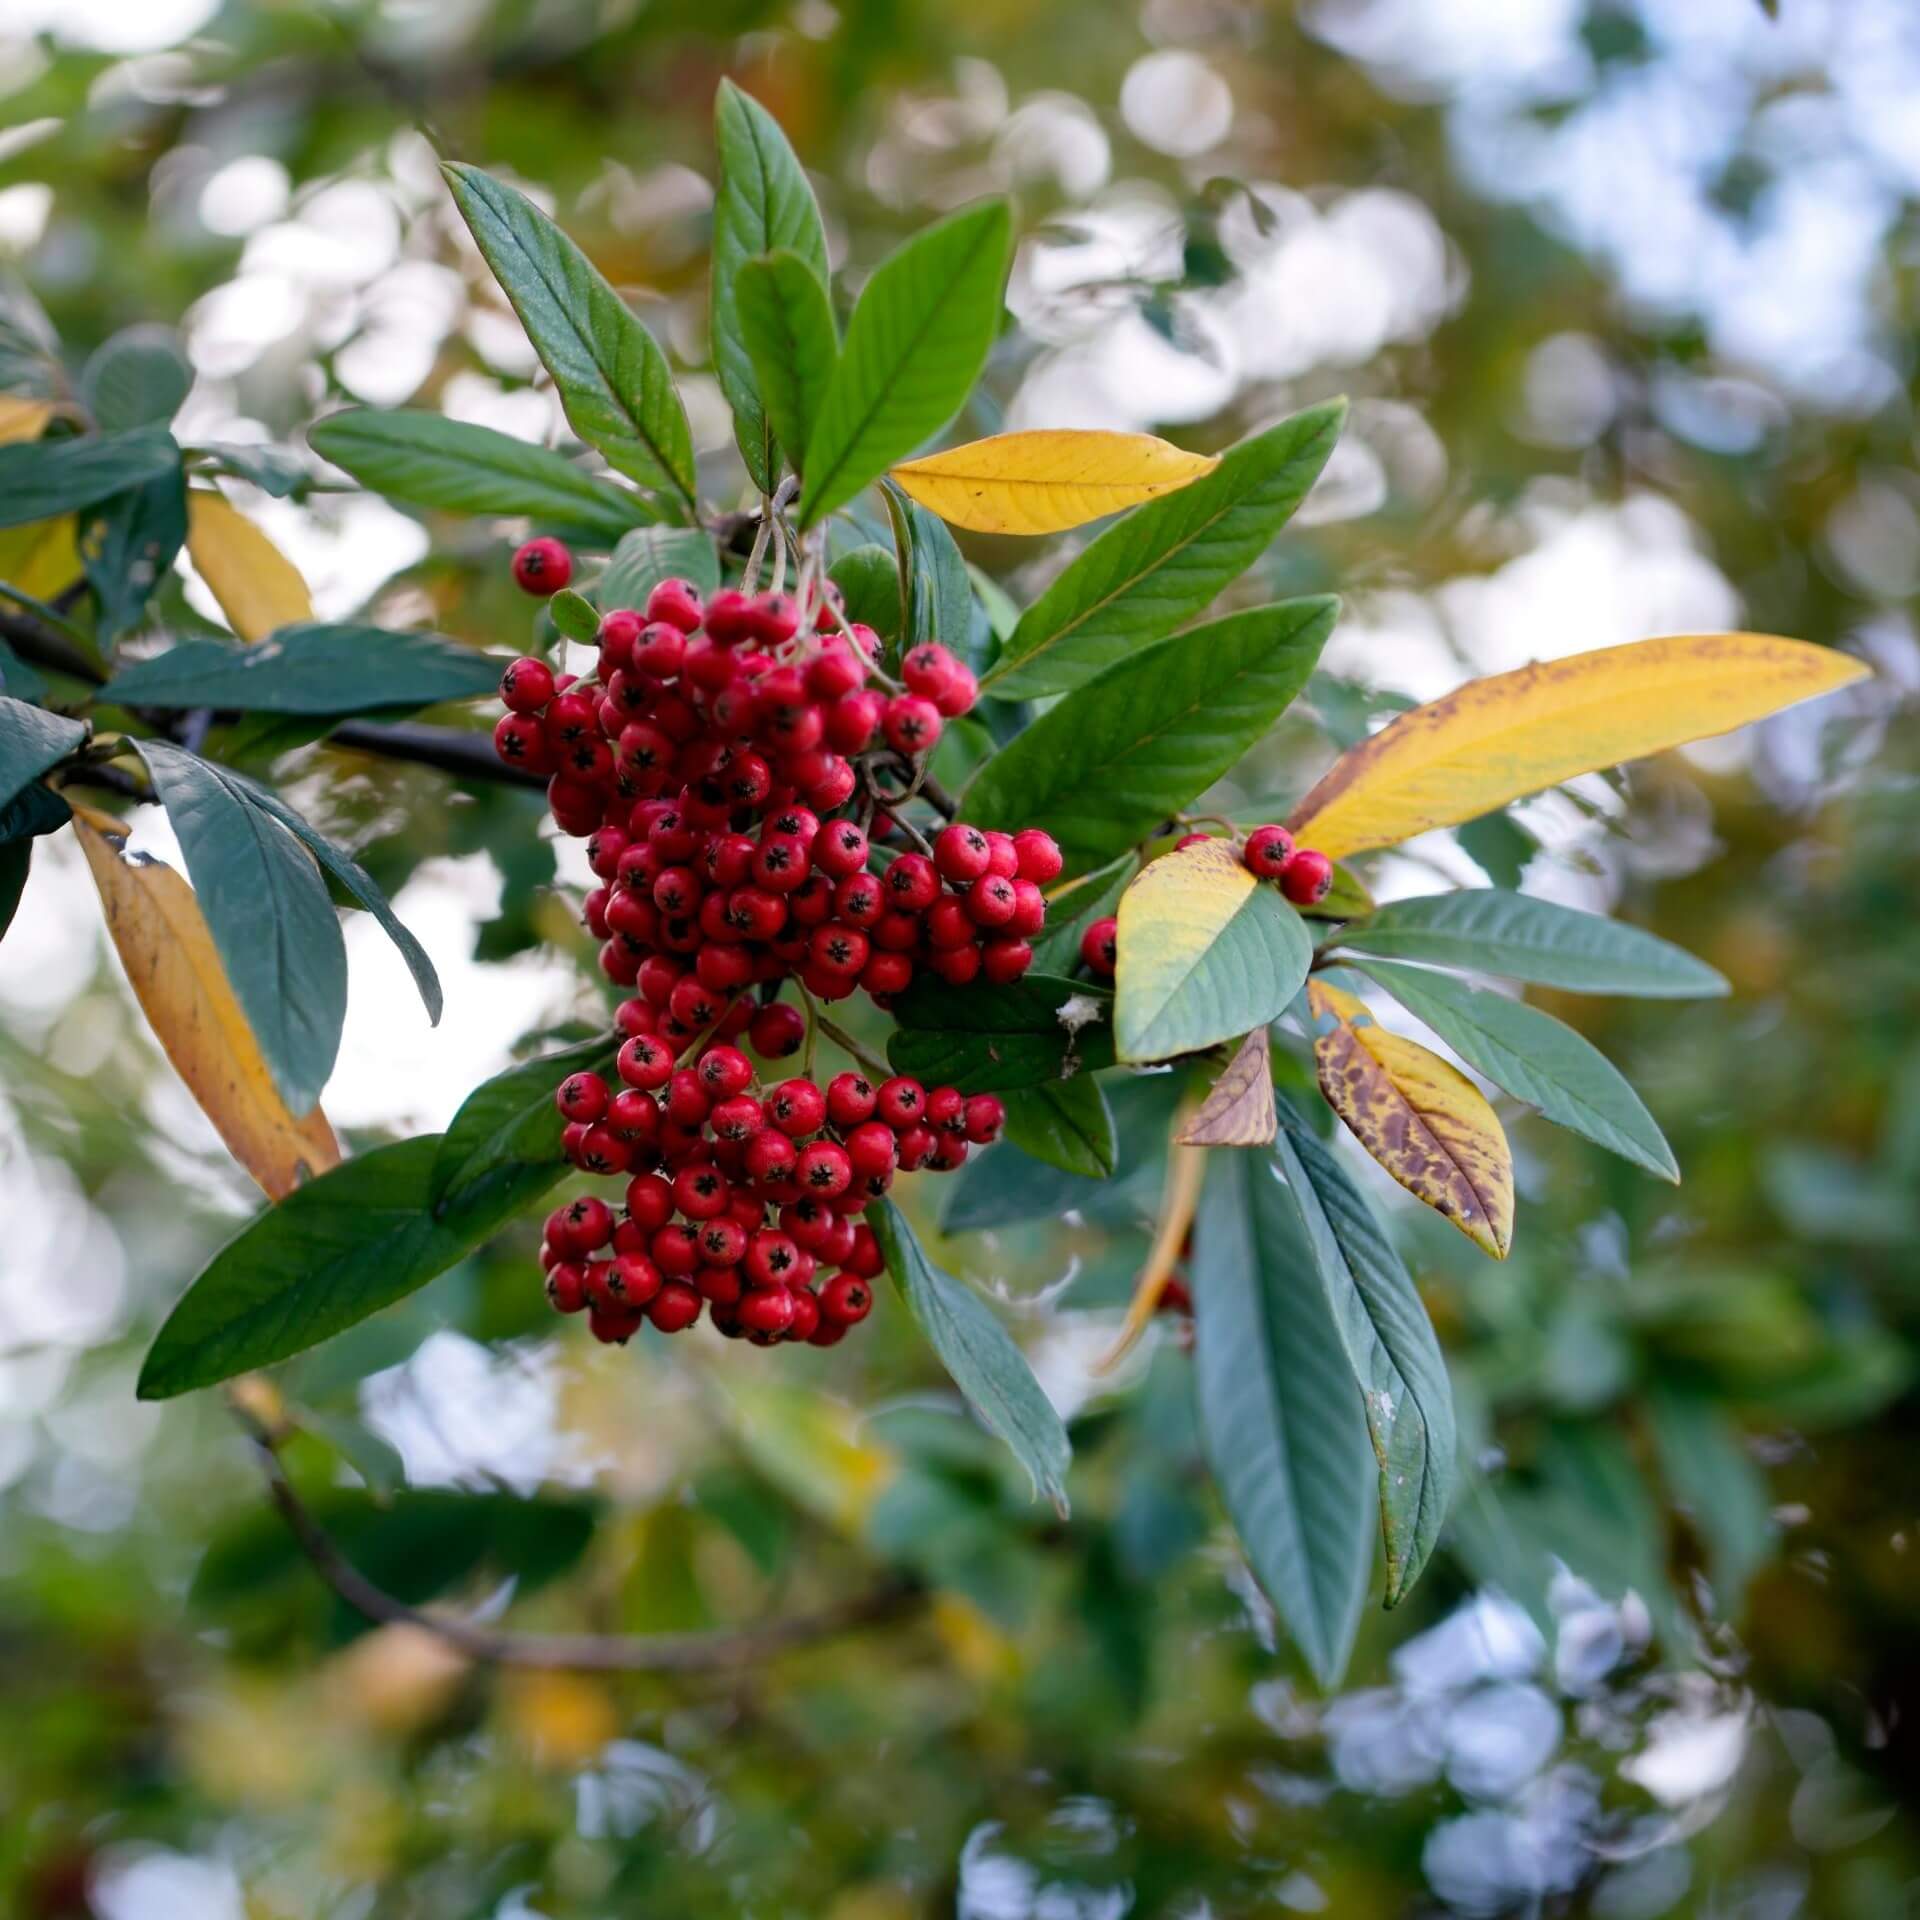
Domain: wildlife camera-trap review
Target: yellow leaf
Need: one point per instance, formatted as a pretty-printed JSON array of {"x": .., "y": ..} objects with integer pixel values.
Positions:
[
  {"x": 1179, "y": 1201},
  {"x": 1498, "y": 739},
  {"x": 259, "y": 589},
  {"x": 1041, "y": 482},
  {"x": 176, "y": 976},
  {"x": 1418, "y": 1115},
  {"x": 814, "y": 1448},
  {"x": 43, "y": 557},
  {"x": 23, "y": 419},
  {"x": 1238, "y": 1110}
]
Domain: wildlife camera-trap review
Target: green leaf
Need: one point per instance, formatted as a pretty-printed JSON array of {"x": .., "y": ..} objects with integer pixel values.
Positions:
[
  {"x": 138, "y": 378},
  {"x": 990, "y": 1371},
  {"x": 269, "y": 468},
  {"x": 940, "y": 589},
  {"x": 869, "y": 586},
  {"x": 916, "y": 343},
  {"x": 783, "y": 315},
  {"x": 503, "y": 1148},
  {"x": 1536, "y": 1058},
  {"x": 1280, "y": 1420},
  {"x": 357, "y": 881},
  {"x": 269, "y": 914},
  {"x": 1166, "y": 561},
  {"x": 613, "y": 379},
  {"x": 1066, "y": 1123},
  {"x": 1389, "y": 1344},
  {"x": 1107, "y": 766},
  {"x": 309, "y": 669},
  {"x": 1178, "y": 998},
  {"x": 428, "y": 460},
  {"x": 1713, "y": 1477},
  {"x": 42, "y": 478},
  {"x": 31, "y": 741},
  {"x": 1070, "y": 914},
  {"x": 651, "y": 554},
  {"x": 763, "y": 205},
  {"x": 128, "y": 544},
  {"x": 18, "y": 679},
  {"x": 331, "y": 1253},
  {"x": 1488, "y": 931},
  {"x": 575, "y": 615},
  {"x": 985, "y": 1039},
  {"x": 32, "y": 811}
]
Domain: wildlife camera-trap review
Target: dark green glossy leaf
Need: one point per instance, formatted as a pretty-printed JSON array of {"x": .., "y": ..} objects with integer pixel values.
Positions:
[
  {"x": 453, "y": 466},
  {"x": 869, "y": 584},
  {"x": 990, "y": 1371},
  {"x": 138, "y": 378},
  {"x": 651, "y": 554},
  {"x": 784, "y": 316},
  {"x": 1280, "y": 1417},
  {"x": 34, "y": 810},
  {"x": 940, "y": 589},
  {"x": 31, "y": 741},
  {"x": 18, "y": 679},
  {"x": 1536, "y": 1058},
  {"x": 613, "y": 379},
  {"x": 763, "y": 205},
  {"x": 42, "y": 478},
  {"x": 312, "y": 669},
  {"x": 915, "y": 345},
  {"x": 1166, "y": 561},
  {"x": 128, "y": 544},
  {"x": 269, "y": 914},
  {"x": 1108, "y": 765},
  {"x": 1066, "y": 1123},
  {"x": 1070, "y": 914},
  {"x": 1488, "y": 931},
  {"x": 984, "y": 1039},
  {"x": 1389, "y": 1345}
]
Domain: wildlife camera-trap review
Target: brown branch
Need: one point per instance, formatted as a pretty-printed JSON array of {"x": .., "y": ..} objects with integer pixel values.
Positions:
[
  {"x": 575, "y": 1652},
  {"x": 451, "y": 750},
  {"x": 37, "y": 642}
]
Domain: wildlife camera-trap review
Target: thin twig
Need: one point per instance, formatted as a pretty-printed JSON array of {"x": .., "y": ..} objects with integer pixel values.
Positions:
[
  {"x": 577, "y": 1652},
  {"x": 847, "y": 1044},
  {"x": 448, "y": 748}
]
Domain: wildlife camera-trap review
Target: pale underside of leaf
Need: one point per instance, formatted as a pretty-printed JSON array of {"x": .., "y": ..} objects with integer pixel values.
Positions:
[
  {"x": 1048, "y": 480},
  {"x": 168, "y": 952},
  {"x": 1238, "y": 1110},
  {"x": 1501, "y": 738},
  {"x": 1419, "y": 1116}
]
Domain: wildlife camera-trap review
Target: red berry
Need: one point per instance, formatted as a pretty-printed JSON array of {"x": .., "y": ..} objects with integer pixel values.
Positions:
[
  {"x": 776, "y": 619},
  {"x": 887, "y": 973},
  {"x": 725, "y": 1071},
  {"x": 571, "y": 718},
  {"x": 991, "y": 902},
  {"x": 1307, "y": 878},
  {"x": 675, "y": 1307},
  {"x": 1037, "y": 856},
  {"x": 986, "y": 1115},
  {"x": 567, "y": 1286},
  {"x": 772, "y": 1259},
  {"x": 580, "y": 1226},
  {"x": 871, "y": 1148},
  {"x": 542, "y": 566},
  {"x": 677, "y": 602},
  {"x": 634, "y": 1281},
  {"x": 777, "y": 1031},
  {"x": 770, "y": 1156},
  {"x": 1003, "y": 857},
  {"x": 526, "y": 686},
  {"x": 961, "y": 853},
  {"x": 660, "y": 649},
  {"x": 701, "y": 1192},
  {"x": 1187, "y": 840},
  {"x": 912, "y": 725},
  {"x": 865, "y": 1259},
  {"x": 797, "y": 1108},
  {"x": 959, "y": 693},
  {"x": 1099, "y": 947},
  {"x": 957, "y": 966},
  {"x": 1267, "y": 851},
  {"x": 1005, "y": 959},
  {"x": 840, "y": 951},
  {"x": 603, "y": 1151},
  {"x": 582, "y": 1096},
  {"x": 723, "y": 1242},
  {"x": 767, "y": 1310},
  {"x": 520, "y": 741},
  {"x": 912, "y": 884},
  {"x": 841, "y": 849},
  {"x": 835, "y": 672},
  {"x": 846, "y": 1299},
  {"x": 900, "y": 1101},
  {"x": 633, "y": 1115},
  {"x": 1029, "y": 909},
  {"x": 619, "y": 631},
  {"x": 806, "y": 1315},
  {"x": 644, "y": 1061}
]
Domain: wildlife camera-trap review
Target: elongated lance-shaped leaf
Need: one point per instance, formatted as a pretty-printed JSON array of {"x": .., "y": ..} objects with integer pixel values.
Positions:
[
  {"x": 612, "y": 377},
  {"x": 783, "y": 314},
  {"x": 1280, "y": 1417},
  {"x": 1389, "y": 1344},
  {"x": 919, "y": 336},
  {"x": 276, "y": 930},
  {"x": 259, "y": 589},
  {"x": 1536, "y": 1058},
  {"x": 455, "y": 466},
  {"x": 763, "y": 205},
  {"x": 40, "y": 479},
  {"x": 31, "y": 741},
  {"x": 1167, "y": 561}
]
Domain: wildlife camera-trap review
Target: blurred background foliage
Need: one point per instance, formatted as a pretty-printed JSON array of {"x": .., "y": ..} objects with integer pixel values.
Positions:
[{"x": 1624, "y": 291}]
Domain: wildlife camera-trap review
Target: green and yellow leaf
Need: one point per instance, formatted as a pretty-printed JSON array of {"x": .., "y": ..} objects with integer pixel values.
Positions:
[
  {"x": 23, "y": 419},
  {"x": 1045, "y": 481},
  {"x": 1420, "y": 1117},
  {"x": 1498, "y": 739},
  {"x": 164, "y": 944},
  {"x": 259, "y": 589}
]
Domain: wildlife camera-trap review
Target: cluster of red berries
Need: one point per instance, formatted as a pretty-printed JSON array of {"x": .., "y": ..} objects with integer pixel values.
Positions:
[
  {"x": 724, "y": 766},
  {"x": 1305, "y": 877},
  {"x": 741, "y": 1198},
  {"x": 721, "y": 769}
]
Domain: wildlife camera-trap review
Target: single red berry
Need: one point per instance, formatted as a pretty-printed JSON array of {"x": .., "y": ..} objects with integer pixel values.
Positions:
[
  {"x": 723, "y": 1242},
  {"x": 1005, "y": 959},
  {"x": 912, "y": 725},
  {"x": 582, "y": 1096},
  {"x": 1267, "y": 851},
  {"x": 957, "y": 966},
  {"x": 581, "y": 1226},
  {"x": 603, "y": 1151},
  {"x": 660, "y": 650},
  {"x": 961, "y": 853},
  {"x": 846, "y": 1299},
  {"x": 850, "y": 1100},
  {"x": 701, "y": 1192},
  {"x": 849, "y": 724},
  {"x": 634, "y": 1279},
  {"x": 770, "y": 1156},
  {"x": 986, "y": 1115},
  {"x": 1099, "y": 947},
  {"x": 772, "y": 1258},
  {"x": 912, "y": 883},
  {"x": 1307, "y": 878},
  {"x": 542, "y": 566},
  {"x": 865, "y": 1259},
  {"x": 567, "y": 1286},
  {"x": 776, "y": 619},
  {"x": 797, "y": 1108},
  {"x": 991, "y": 901},
  {"x": 520, "y": 741},
  {"x": 900, "y": 1101},
  {"x": 526, "y": 686},
  {"x": 959, "y": 694},
  {"x": 677, "y": 602},
  {"x": 1003, "y": 857},
  {"x": 777, "y": 1031},
  {"x": 1029, "y": 909},
  {"x": 840, "y": 951},
  {"x": 675, "y": 1307},
  {"x": 806, "y": 1315},
  {"x": 887, "y": 973},
  {"x": 1037, "y": 856},
  {"x": 633, "y": 1115},
  {"x": 767, "y": 1310},
  {"x": 928, "y": 669},
  {"x": 835, "y": 672},
  {"x": 645, "y": 1062},
  {"x": 841, "y": 848},
  {"x": 619, "y": 631},
  {"x": 725, "y": 1071},
  {"x": 738, "y": 1117},
  {"x": 729, "y": 617},
  {"x": 688, "y": 1102},
  {"x": 871, "y": 1148}
]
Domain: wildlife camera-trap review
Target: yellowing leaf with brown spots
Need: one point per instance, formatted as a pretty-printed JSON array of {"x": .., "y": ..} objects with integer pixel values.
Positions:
[
  {"x": 1238, "y": 1110},
  {"x": 163, "y": 942},
  {"x": 259, "y": 589},
  {"x": 1498, "y": 739},
  {"x": 1044, "y": 481},
  {"x": 1418, "y": 1115}
]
